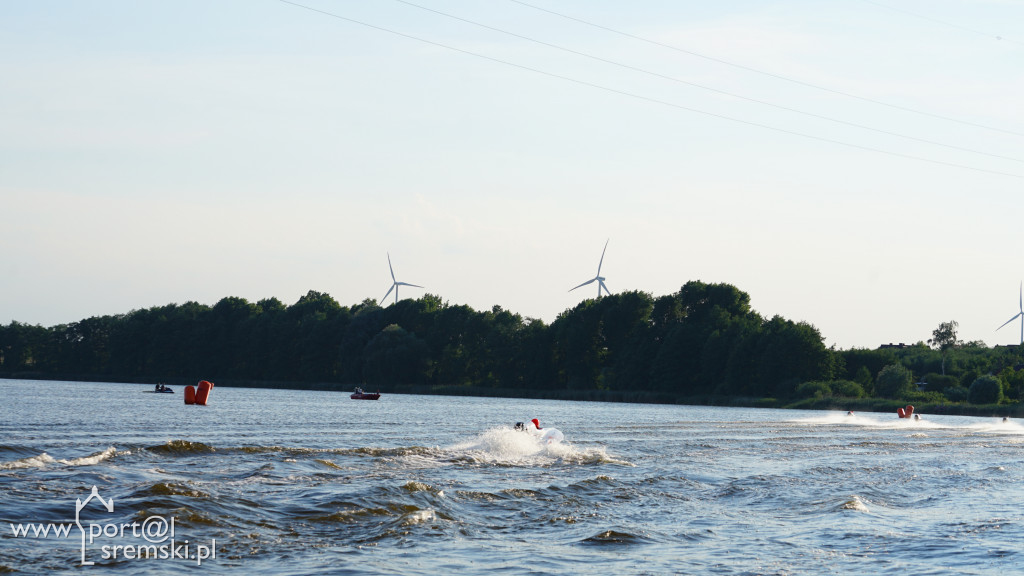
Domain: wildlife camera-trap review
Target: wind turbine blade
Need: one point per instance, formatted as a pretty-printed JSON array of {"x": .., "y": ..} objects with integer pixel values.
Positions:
[
  {"x": 1018, "y": 315},
  {"x": 390, "y": 268},
  {"x": 407, "y": 284},
  {"x": 605, "y": 286},
  {"x": 582, "y": 285},
  {"x": 393, "y": 287},
  {"x": 602, "y": 257}
]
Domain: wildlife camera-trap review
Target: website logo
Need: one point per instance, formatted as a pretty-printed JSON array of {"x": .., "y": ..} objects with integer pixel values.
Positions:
[{"x": 153, "y": 538}]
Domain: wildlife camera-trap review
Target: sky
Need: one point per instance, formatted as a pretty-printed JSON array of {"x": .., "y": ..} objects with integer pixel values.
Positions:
[{"x": 856, "y": 165}]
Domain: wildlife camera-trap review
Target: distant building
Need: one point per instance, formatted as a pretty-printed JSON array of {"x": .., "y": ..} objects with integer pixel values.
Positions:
[{"x": 891, "y": 345}]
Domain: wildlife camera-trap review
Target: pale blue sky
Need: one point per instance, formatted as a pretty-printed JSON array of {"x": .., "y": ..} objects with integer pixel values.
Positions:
[{"x": 163, "y": 152}]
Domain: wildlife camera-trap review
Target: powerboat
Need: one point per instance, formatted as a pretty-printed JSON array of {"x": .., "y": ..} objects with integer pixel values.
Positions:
[{"x": 360, "y": 395}]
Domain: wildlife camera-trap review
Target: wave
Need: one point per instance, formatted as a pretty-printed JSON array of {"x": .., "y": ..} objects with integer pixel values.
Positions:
[
  {"x": 877, "y": 420},
  {"x": 187, "y": 447},
  {"x": 172, "y": 489},
  {"x": 855, "y": 504},
  {"x": 1010, "y": 427},
  {"x": 37, "y": 461},
  {"x": 852, "y": 419},
  {"x": 16, "y": 450},
  {"x": 501, "y": 446},
  {"x": 328, "y": 463},
  {"x": 613, "y": 537},
  {"x": 418, "y": 517},
  {"x": 504, "y": 446},
  {"x": 181, "y": 447},
  {"x": 414, "y": 486},
  {"x": 44, "y": 459},
  {"x": 91, "y": 459}
]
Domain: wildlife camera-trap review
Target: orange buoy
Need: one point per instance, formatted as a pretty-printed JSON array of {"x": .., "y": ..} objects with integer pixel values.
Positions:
[
  {"x": 905, "y": 412},
  {"x": 203, "y": 392},
  {"x": 190, "y": 394}
]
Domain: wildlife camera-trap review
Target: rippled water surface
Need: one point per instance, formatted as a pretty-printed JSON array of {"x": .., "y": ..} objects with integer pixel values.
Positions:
[{"x": 299, "y": 482}]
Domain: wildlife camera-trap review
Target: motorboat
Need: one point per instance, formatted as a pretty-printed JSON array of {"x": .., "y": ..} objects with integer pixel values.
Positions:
[{"x": 360, "y": 395}]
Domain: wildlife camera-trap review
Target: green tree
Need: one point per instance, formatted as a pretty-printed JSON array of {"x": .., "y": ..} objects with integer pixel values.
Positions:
[
  {"x": 956, "y": 394},
  {"x": 395, "y": 356},
  {"x": 367, "y": 322},
  {"x": 894, "y": 381},
  {"x": 847, "y": 389},
  {"x": 581, "y": 345},
  {"x": 816, "y": 389},
  {"x": 944, "y": 339},
  {"x": 940, "y": 382},
  {"x": 790, "y": 353},
  {"x": 861, "y": 364},
  {"x": 986, "y": 389},
  {"x": 863, "y": 377},
  {"x": 1014, "y": 382}
]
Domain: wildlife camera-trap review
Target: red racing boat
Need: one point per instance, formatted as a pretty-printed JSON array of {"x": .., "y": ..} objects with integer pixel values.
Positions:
[{"x": 360, "y": 395}]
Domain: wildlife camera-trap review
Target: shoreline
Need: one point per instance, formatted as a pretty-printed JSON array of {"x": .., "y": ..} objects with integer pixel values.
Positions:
[{"x": 878, "y": 405}]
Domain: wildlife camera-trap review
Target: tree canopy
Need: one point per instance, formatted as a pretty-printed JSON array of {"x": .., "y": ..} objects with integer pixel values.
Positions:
[{"x": 700, "y": 342}]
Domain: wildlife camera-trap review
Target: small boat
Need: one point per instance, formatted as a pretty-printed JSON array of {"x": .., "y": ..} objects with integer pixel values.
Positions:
[
  {"x": 163, "y": 390},
  {"x": 360, "y": 395}
]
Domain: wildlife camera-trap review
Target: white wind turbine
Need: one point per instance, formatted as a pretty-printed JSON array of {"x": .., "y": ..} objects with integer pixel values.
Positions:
[
  {"x": 599, "y": 279},
  {"x": 395, "y": 283},
  {"x": 1019, "y": 315}
]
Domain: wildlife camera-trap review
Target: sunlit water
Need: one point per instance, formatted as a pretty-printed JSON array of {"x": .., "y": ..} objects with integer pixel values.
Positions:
[{"x": 299, "y": 482}]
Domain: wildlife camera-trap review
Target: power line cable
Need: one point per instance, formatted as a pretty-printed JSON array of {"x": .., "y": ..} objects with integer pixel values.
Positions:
[
  {"x": 709, "y": 88},
  {"x": 647, "y": 98},
  {"x": 770, "y": 74},
  {"x": 943, "y": 22}
]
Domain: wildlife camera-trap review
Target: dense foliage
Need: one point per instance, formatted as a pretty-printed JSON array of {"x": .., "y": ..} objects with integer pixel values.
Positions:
[{"x": 702, "y": 342}]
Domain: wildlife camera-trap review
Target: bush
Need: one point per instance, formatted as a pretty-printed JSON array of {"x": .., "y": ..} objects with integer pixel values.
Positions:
[
  {"x": 847, "y": 389},
  {"x": 955, "y": 394},
  {"x": 938, "y": 382},
  {"x": 894, "y": 381},
  {"x": 985, "y": 390},
  {"x": 926, "y": 397},
  {"x": 1014, "y": 383},
  {"x": 815, "y": 390}
]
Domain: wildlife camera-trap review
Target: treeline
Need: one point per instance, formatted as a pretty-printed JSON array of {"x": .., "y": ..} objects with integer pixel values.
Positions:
[{"x": 703, "y": 341}]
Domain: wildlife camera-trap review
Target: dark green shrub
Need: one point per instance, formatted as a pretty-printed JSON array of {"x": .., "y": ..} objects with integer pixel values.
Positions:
[
  {"x": 985, "y": 390},
  {"x": 894, "y": 381},
  {"x": 938, "y": 382},
  {"x": 815, "y": 389},
  {"x": 955, "y": 394},
  {"x": 847, "y": 389}
]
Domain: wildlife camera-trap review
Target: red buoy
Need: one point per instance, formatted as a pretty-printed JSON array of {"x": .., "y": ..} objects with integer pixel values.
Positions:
[
  {"x": 190, "y": 394},
  {"x": 905, "y": 412},
  {"x": 203, "y": 392}
]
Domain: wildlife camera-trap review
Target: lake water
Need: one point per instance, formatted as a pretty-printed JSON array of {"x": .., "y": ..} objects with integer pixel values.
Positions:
[{"x": 302, "y": 482}]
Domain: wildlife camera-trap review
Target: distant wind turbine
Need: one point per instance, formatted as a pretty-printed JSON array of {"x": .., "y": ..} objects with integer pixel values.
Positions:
[
  {"x": 1019, "y": 315},
  {"x": 395, "y": 283},
  {"x": 599, "y": 279}
]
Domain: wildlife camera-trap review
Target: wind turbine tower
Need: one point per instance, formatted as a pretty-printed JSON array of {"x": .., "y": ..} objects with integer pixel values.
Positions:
[
  {"x": 395, "y": 283},
  {"x": 1019, "y": 315},
  {"x": 598, "y": 278}
]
